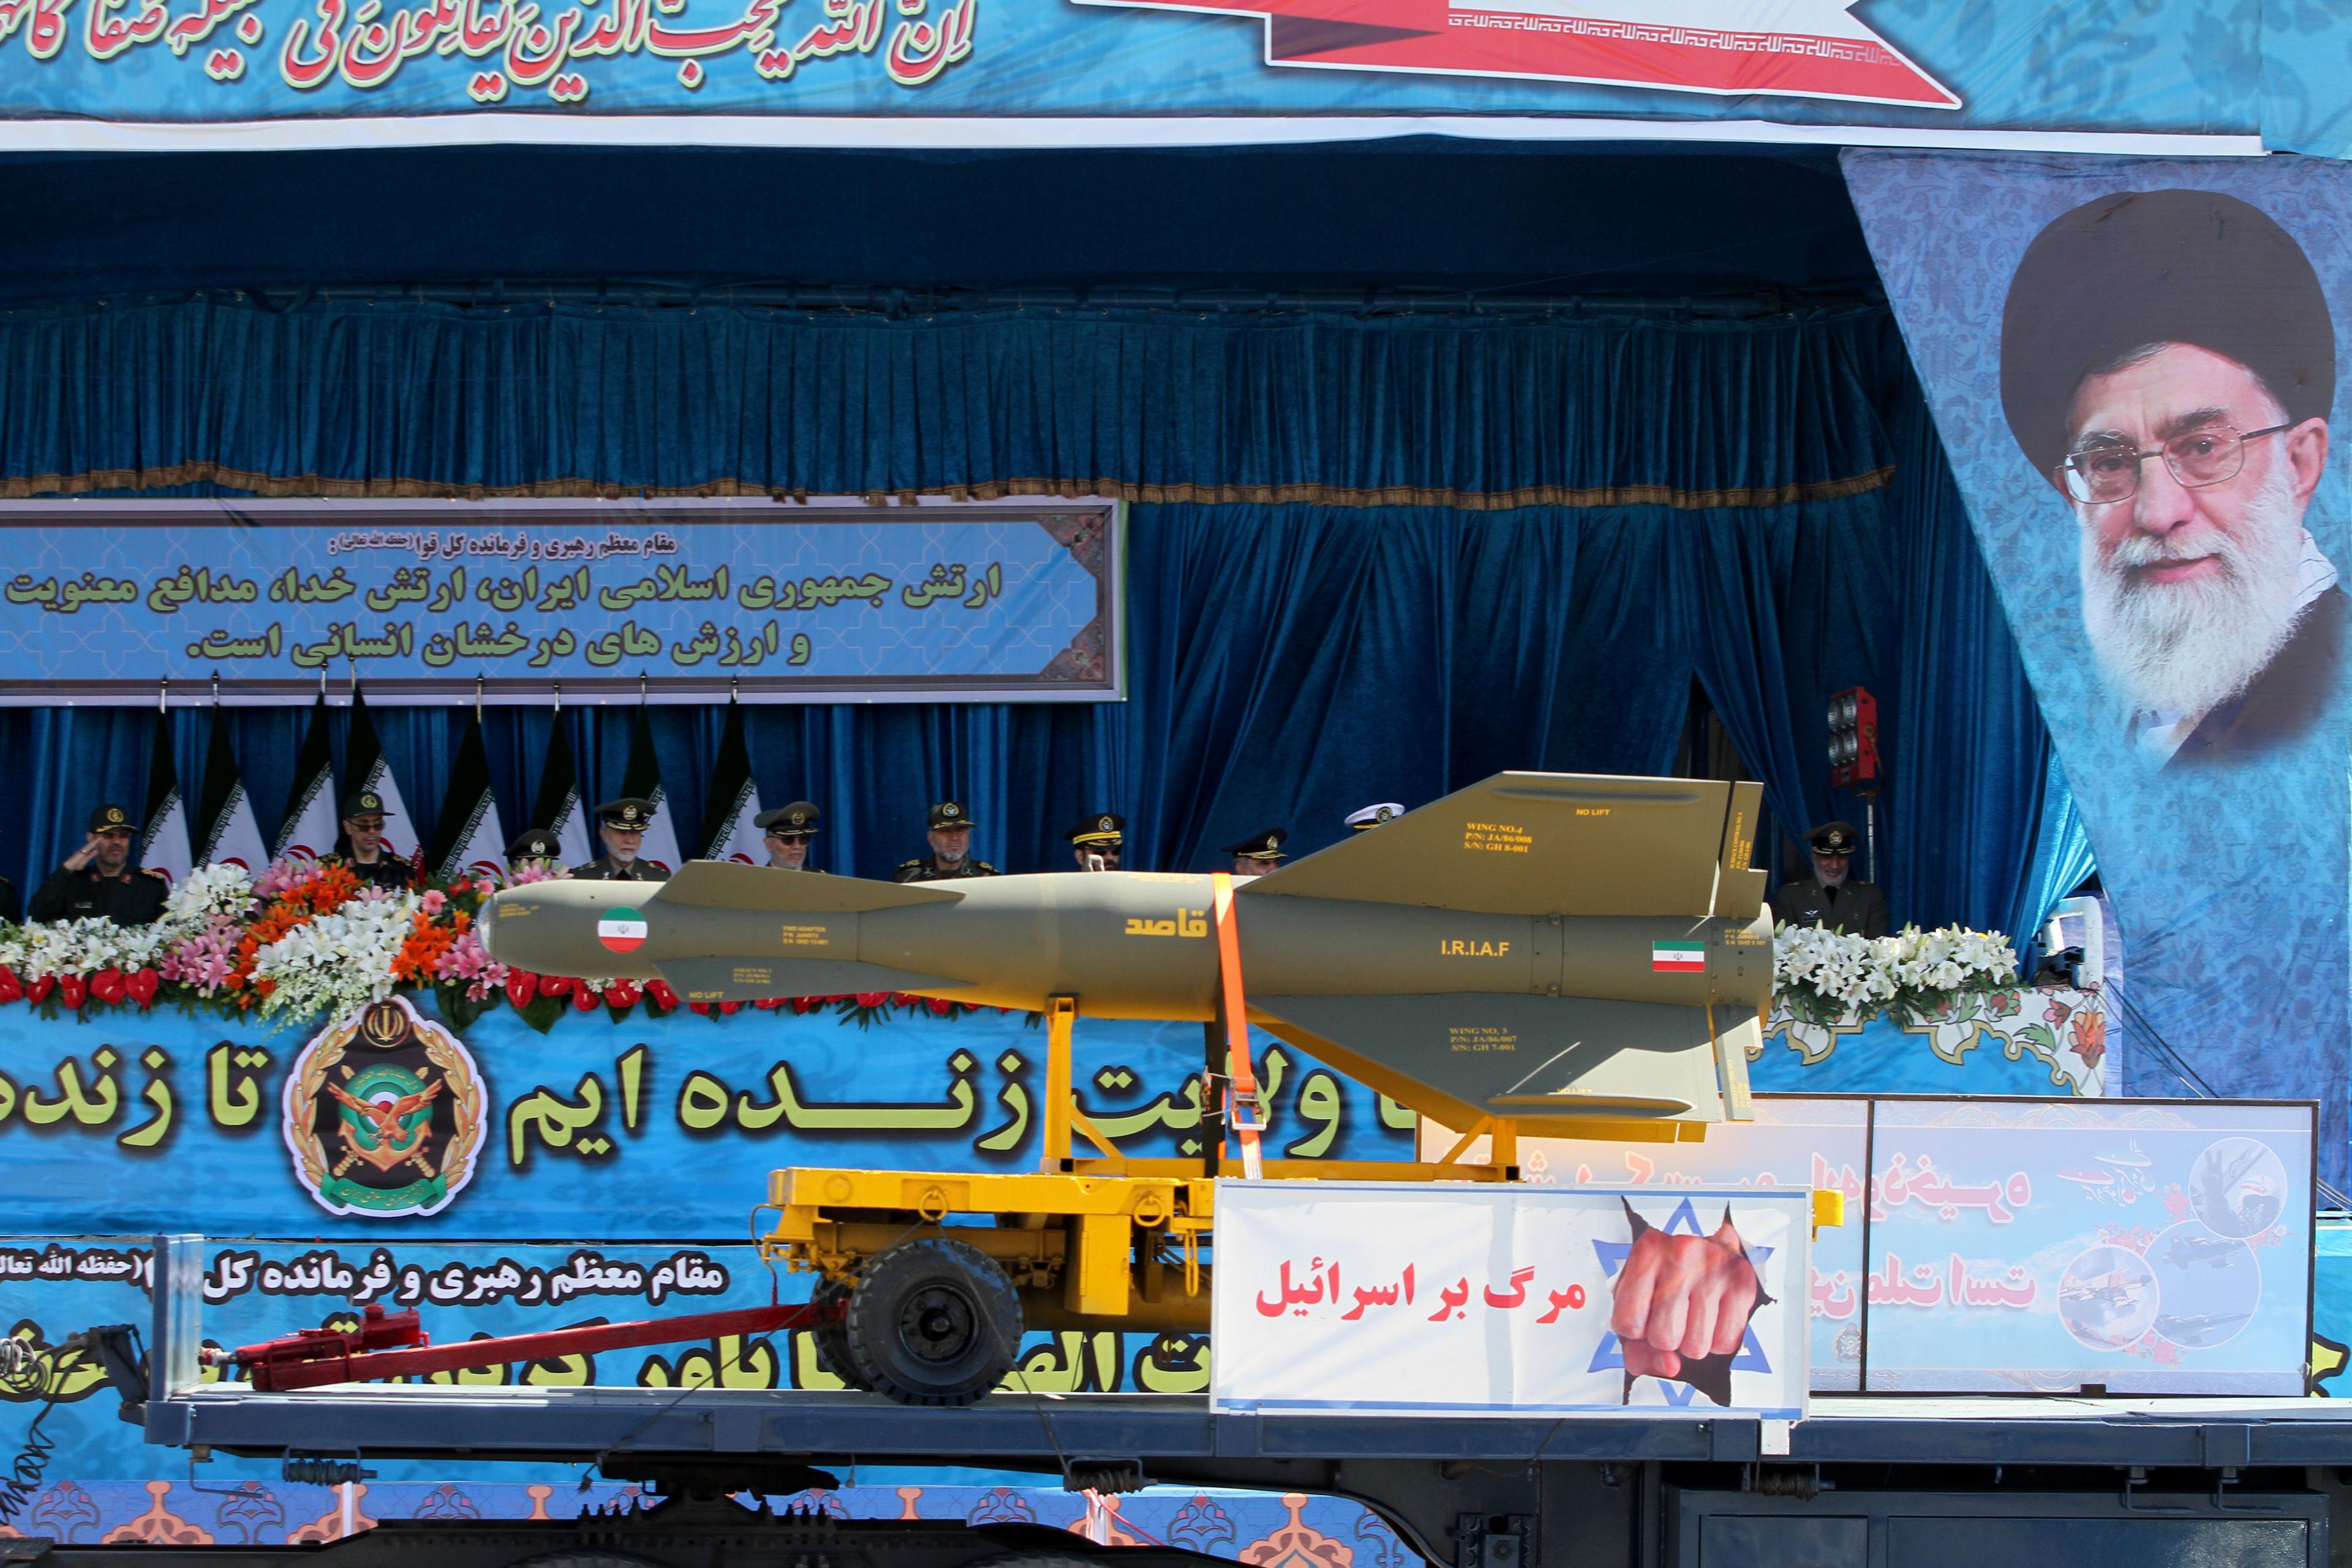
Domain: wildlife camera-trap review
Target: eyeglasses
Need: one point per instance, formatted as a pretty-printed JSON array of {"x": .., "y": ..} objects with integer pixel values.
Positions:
[
  {"x": 789, "y": 837},
  {"x": 2207, "y": 455}
]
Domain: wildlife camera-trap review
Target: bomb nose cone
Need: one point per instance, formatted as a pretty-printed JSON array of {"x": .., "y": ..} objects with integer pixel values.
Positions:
[{"x": 564, "y": 927}]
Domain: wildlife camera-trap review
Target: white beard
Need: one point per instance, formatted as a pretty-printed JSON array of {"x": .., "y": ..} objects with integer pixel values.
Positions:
[{"x": 2188, "y": 647}]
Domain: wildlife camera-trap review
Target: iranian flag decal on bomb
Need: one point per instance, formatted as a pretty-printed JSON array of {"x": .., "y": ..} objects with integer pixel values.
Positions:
[
  {"x": 1663, "y": 955},
  {"x": 621, "y": 930}
]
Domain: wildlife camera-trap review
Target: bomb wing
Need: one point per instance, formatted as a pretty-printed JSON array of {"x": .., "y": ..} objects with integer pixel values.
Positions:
[
  {"x": 1552, "y": 844},
  {"x": 1605, "y": 951}
]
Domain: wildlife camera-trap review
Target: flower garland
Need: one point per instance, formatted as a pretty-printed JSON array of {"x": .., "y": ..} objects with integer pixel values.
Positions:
[
  {"x": 308, "y": 938},
  {"x": 1824, "y": 974}
]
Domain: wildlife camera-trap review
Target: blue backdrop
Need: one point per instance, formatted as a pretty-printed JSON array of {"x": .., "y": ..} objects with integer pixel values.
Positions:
[{"x": 1370, "y": 558}]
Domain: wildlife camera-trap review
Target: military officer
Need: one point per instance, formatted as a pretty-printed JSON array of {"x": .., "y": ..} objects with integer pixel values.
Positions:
[
  {"x": 622, "y": 825},
  {"x": 950, "y": 858},
  {"x": 789, "y": 829},
  {"x": 1257, "y": 854},
  {"x": 1097, "y": 842},
  {"x": 98, "y": 879},
  {"x": 1374, "y": 815},
  {"x": 1830, "y": 899},
  {"x": 365, "y": 853},
  {"x": 538, "y": 850}
]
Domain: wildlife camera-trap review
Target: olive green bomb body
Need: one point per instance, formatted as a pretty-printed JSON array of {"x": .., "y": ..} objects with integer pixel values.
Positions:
[{"x": 1541, "y": 946}]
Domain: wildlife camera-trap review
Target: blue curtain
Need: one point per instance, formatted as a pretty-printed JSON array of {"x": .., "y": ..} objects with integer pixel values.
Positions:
[{"x": 1369, "y": 559}]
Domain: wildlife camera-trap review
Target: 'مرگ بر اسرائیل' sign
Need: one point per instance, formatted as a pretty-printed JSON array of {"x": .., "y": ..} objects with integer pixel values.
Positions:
[{"x": 682, "y": 601}]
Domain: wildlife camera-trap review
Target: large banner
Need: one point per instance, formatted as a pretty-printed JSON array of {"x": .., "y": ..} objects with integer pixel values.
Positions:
[
  {"x": 2017, "y": 1246},
  {"x": 660, "y": 1129},
  {"x": 2175, "y": 76},
  {"x": 823, "y": 601},
  {"x": 1406, "y": 1298},
  {"x": 2134, "y": 366}
]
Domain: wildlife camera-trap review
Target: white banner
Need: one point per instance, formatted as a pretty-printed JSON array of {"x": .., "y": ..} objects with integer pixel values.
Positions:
[{"x": 1458, "y": 1299}]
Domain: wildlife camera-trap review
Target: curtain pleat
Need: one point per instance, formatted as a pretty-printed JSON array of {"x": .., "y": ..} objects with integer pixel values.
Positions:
[{"x": 1371, "y": 559}]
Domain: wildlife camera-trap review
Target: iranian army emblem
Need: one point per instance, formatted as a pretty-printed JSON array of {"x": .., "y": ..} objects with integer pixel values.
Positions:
[{"x": 384, "y": 1114}]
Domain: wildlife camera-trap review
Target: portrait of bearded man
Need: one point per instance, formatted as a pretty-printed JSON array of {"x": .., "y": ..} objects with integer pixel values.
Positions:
[{"x": 2168, "y": 366}]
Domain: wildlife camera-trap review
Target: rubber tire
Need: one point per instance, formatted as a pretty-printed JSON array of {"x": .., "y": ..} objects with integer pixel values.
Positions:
[
  {"x": 949, "y": 1290},
  {"x": 831, "y": 1340}
]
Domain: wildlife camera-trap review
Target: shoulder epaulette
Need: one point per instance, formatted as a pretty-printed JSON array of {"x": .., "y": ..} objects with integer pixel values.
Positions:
[
  {"x": 910, "y": 864},
  {"x": 157, "y": 875},
  {"x": 984, "y": 866},
  {"x": 659, "y": 865}
]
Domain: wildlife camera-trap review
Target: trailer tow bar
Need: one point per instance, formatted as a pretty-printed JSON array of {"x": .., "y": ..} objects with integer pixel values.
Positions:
[{"x": 393, "y": 1344}]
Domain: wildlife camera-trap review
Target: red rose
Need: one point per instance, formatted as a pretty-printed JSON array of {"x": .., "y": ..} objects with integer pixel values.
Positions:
[
  {"x": 141, "y": 986},
  {"x": 11, "y": 988},
  {"x": 522, "y": 986},
  {"x": 663, "y": 995},
  {"x": 622, "y": 993},
  {"x": 701, "y": 1007},
  {"x": 941, "y": 1006},
  {"x": 73, "y": 991},
  {"x": 107, "y": 985},
  {"x": 582, "y": 999},
  {"x": 555, "y": 985},
  {"x": 731, "y": 1008},
  {"x": 769, "y": 1004},
  {"x": 872, "y": 998},
  {"x": 38, "y": 991}
]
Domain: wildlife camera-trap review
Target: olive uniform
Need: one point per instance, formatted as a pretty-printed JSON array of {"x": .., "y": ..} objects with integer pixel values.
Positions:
[
  {"x": 134, "y": 898},
  {"x": 387, "y": 869},
  {"x": 944, "y": 816},
  {"x": 630, "y": 814},
  {"x": 1855, "y": 907},
  {"x": 800, "y": 816}
]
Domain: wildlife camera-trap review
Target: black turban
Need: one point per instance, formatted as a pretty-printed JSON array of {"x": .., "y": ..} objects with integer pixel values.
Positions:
[{"x": 2160, "y": 266}]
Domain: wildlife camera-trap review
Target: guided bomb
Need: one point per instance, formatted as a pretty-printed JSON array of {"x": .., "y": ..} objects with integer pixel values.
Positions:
[{"x": 1548, "y": 948}]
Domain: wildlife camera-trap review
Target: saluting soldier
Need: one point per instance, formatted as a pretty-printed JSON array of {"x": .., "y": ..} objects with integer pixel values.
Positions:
[
  {"x": 622, "y": 825},
  {"x": 363, "y": 835},
  {"x": 950, "y": 856},
  {"x": 1257, "y": 854},
  {"x": 789, "y": 829},
  {"x": 1830, "y": 899},
  {"x": 538, "y": 850},
  {"x": 98, "y": 881},
  {"x": 1097, "y": 841},
  {"x": 1379, "y": 815}
]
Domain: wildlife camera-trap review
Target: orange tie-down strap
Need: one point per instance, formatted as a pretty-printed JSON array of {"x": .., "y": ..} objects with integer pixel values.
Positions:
[{"x": 1241, "y": 1104}]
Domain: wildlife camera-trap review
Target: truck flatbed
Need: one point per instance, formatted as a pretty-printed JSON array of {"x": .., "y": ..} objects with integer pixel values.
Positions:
[{"x": 1039, "y": 1430}]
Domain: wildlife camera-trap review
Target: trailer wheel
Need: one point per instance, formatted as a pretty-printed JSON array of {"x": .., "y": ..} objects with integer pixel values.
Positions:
[
  {"x": 933, "y": 1321},
  {"x": 830, "y": 1338}
]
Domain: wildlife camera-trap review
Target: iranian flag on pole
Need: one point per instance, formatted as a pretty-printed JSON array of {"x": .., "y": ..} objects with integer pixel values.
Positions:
[
  {"x": 309, "y": 827},
  {"x": 164, "y": 844},
  {"x": 1667, "y": 956},
  {"x": 364, "y": 767},
  {"x": 467, "y": 839},
  {"x": 734, "y": 799},
  {"x": 557, "y": 807},
  {"x": 226, "y": 832}
]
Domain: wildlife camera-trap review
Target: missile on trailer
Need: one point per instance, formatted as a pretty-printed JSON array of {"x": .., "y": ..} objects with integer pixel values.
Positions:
[{"x": 1548, "y": 947}]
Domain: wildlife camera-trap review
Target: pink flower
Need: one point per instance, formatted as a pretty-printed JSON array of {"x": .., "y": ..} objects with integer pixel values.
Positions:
[
  {"x": 434, "y": 900},
  {"x": 535, "y": 871}
]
